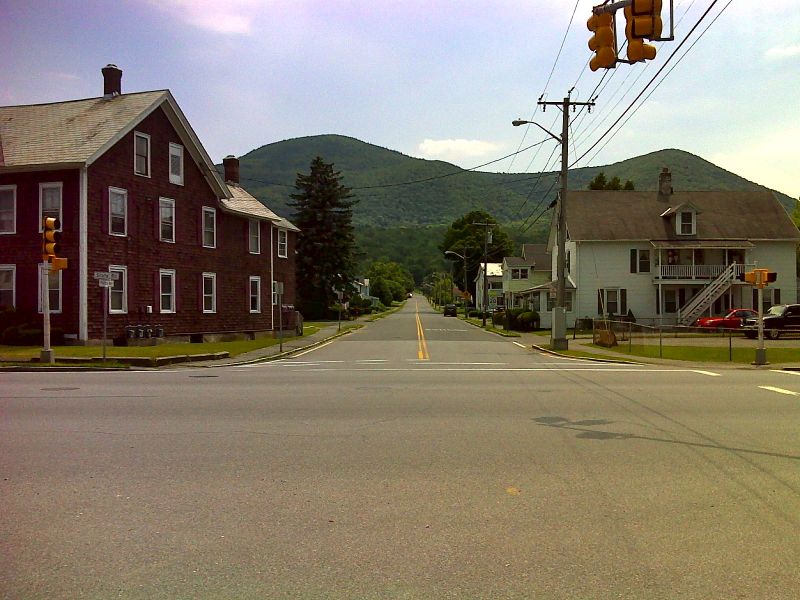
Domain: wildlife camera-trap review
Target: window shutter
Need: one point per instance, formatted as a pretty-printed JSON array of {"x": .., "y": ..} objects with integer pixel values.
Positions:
[
  {"x": 105, "y": 211},
  {"x": 755, "y": 299},
  {"x": 623, "y": 302},
  {"x": 130, "y": 222},
  {"x": 776, "y": 296},
  {"x": 633, "y": 260},
  {"x": 157, "y": 219}
]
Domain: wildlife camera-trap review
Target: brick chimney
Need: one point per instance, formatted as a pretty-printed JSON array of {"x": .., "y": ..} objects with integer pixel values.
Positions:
[
  {"x": 112, "y": 81},
  {"x": 664, "y": 185},
  {"x": 231, "y": 165}
]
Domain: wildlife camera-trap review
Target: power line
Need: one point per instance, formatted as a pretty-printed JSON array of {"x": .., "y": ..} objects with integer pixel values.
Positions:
[{"x": 649, "y": 83}]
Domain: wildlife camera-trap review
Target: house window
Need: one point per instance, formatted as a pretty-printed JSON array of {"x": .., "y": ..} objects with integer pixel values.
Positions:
[
  {"x": 166, "y": 210},
  {"x": 167, "y": 290},
  {"x": 54, "y": 286},
  {"x": 255, "y": 294},
  {"x": 117, "y": 211},
  {"x": 118, "y": 292},
  {"x": 771, "y": 297},
  {"x": 8, "y": 209},
  {"x": 49, "y": 202},
  {"x": 255, "y": 237},
  {"x": 141, "y": 154},
  {"x": 686, "y": 222},
  {"x": 209, "y": 227},
  {"x": 612, "y": 301},
  {"x": 7, "y": 280},
  {"x": 209, "y": 292},
  {"x": 519, "y": 273},
  {"x": 176, "y": 164},
  {"x": 283, "y": 243},
  {"x": 640, "y": 261}
]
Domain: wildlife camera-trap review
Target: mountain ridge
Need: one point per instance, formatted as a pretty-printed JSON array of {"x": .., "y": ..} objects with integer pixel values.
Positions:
[{"x": 394, "y": 189}]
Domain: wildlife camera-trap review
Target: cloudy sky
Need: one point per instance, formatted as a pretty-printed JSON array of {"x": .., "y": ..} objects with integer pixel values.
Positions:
[{"x": 438, "y": 79}]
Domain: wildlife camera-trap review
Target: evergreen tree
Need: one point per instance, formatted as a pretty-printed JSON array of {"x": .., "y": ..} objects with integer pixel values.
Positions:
[
  {"x": 601, "y": 183},
  {"x": 326, "y": 245}
]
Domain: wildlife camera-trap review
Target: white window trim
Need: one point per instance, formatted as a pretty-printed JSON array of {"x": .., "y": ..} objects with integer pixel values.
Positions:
[
  {"x": 283, "y": 233},
  {"x": 170, "y": 202},
  {"x": 175, "y": 150},
  {"x": 254, "y": 224},
  {"x": 54, "y": 185},
  {"x": 13, "y": 269},
  {"x": 257, "y": 280},
  {"x": 60, "y": 293},
  {"x": 149, "y": 153},
  {"x": 679, "y": 222},
  {"x": 161, "y": 273},
  {"x": 209, "y": 211},
  {"x": 123, "y": 271},
  {"x": 213, "y": 278},
  {"x": 124, "y": 194},
  {"x": 13, "y": 189}
]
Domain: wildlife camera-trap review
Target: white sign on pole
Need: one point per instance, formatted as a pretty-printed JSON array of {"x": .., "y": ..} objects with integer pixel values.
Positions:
[
  {"x": 105, "y": 283},
  {"x": 106, "y": 275}
]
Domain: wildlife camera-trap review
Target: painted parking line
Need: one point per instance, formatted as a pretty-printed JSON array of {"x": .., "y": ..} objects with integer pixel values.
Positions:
[{"x": 771, "y": 388}]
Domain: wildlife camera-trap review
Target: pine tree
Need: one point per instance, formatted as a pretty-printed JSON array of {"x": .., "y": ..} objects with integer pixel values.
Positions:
[{"x": 326, "y": 246}]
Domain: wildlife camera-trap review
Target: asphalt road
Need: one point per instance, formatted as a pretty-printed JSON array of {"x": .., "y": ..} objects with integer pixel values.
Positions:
[{"x": 419, "y": 457}]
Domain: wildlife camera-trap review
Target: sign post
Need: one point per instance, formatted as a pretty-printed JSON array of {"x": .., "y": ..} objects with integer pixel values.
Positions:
[
  {"x": 279, "y": 292},
  {"x": 106, "y": 279},
  {"x": 46, "y": 355}
]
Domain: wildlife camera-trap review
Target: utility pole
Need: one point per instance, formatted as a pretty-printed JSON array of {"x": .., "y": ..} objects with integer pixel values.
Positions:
[
  {"x": 558, "y": 340},
  {"x": 487, "y": 238}
]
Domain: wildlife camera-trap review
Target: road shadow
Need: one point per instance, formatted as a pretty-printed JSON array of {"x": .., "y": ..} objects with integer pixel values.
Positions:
[{"x": 584, "y": 430}]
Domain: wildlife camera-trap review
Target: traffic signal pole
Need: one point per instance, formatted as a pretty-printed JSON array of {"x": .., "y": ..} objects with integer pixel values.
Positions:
[{"x": 46, "y": 355}]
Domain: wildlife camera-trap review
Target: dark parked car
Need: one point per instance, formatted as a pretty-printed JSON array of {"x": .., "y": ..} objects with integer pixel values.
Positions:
[
  {"x": 778, "y": 320},
  {"x": 450, "y": 310},
  {"x": 734, "y": 318}
]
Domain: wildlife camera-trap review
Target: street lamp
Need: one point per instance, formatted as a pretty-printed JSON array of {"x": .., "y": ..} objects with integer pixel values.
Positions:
[
  {"x": 464, "y": 258},
  {"x": 558, "y": 336}
]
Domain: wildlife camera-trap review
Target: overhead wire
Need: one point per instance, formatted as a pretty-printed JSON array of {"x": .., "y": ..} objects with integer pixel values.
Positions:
[
  {"x": 662, "y": 80},
  {"x": 652, "y": 80}
]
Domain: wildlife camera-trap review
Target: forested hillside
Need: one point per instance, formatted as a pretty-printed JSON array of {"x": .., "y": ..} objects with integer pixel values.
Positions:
[{"x": 404, "y": 203}]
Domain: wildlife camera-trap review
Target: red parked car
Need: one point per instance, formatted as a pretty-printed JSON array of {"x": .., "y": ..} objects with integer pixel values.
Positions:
[{"x": 732, "y": 320}]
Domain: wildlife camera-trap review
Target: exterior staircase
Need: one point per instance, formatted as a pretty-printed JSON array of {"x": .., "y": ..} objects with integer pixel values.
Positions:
[{"x": 689, "y": 313}]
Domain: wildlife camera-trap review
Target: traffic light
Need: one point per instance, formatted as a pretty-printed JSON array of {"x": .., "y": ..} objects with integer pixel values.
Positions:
[
  {"x": 602, "y": 43},
  {"x": 51, "y": 244},
  {"x": 747, "y": 277},
  {"x": 642, "y": 21},
  {"x": 771, "y": 277}
]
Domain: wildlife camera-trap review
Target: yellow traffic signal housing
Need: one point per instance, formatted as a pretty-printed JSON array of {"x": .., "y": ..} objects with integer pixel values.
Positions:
[
  {"x": 642, "y": 21},
  {"x": 51, "y": 244},
  {"x": 603, "y": 42}
]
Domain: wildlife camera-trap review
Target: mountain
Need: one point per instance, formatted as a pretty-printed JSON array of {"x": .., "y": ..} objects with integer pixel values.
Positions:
[
  {"x": 405, "y": 204},
  {"x": 397, "y": 190}
]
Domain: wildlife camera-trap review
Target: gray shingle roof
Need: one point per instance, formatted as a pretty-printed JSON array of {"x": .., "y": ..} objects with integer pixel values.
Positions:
[
  {"x": 68, "y": 132},
  {"x": 242, "y": 202},
  {"x": 635, "y": 215}
]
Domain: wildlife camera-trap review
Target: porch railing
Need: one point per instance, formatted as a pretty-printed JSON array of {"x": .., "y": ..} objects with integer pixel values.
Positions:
[{"x": 697, "y": 271}]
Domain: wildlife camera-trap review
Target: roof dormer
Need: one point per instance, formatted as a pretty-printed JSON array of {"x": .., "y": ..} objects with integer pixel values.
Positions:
[{"x": 685, "y": 216}]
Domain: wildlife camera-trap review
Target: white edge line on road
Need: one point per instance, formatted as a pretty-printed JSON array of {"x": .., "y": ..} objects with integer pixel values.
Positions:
[
  {"x": 520, "y": 345},
  {"x": 770, "y": 388},
  {"x": 709, "y": 373},
  {"x": 314, "y": 348},
  {"x": 796, "y": 373}
]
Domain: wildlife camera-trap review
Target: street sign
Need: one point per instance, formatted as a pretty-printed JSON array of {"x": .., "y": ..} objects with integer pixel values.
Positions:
[
  {"x": 106, "y": 283},
  {"x": 106, "y": 275}
]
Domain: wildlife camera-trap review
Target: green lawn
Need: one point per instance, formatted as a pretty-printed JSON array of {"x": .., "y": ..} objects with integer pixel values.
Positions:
[
  {"x": 24, "y": 353},
  {"x": 703, "y": 354}
]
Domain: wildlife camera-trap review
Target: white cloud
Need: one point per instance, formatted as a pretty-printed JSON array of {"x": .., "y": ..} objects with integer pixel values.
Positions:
[
  {"x": 456, "y": 150},
  {"x": 781, "y": 52},
  {"x": 226, "y": 17}
]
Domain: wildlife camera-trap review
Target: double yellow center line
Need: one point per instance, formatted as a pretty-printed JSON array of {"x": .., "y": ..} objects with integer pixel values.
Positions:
[{"x": 422, "y": 345}]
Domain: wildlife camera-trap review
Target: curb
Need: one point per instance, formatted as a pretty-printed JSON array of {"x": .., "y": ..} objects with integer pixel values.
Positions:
[{"x": 600, "y": 360}]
